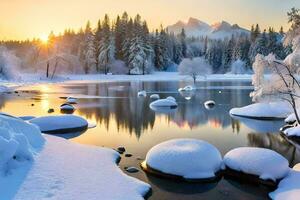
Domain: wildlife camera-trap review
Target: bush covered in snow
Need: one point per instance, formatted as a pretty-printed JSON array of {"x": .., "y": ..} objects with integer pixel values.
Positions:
[
  {"x": 19, "y": 141},
  {"x": 187, "y": 158},
  {"x": 238, "y": 67},
  {"x": 194, "y": 67}
]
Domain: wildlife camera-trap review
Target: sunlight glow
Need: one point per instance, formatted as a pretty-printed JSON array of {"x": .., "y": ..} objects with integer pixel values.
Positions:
[{"x": 44, "y": 39}]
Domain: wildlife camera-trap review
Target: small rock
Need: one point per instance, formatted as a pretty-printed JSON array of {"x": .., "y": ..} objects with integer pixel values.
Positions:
[
  {"x": 131, "y": 169},
  {"x": 139, "y": 158},
  {"x": 32, "y": 104},
  {"x": 16, "y": 92},
  {"x": 121, "y": 150},
  {"x": 128, "y": 155},
  {"x": 51, "y": 110}
]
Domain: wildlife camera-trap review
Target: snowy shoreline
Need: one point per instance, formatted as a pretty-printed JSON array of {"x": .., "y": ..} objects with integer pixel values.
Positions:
[{"x": 33, "y": 79}]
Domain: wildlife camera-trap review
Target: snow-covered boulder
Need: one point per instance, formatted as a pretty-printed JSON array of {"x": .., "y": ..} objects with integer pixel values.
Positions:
[
  {"x": 71, "y": 100},
  {"x": 292, "y": 132},
  {"x": 186, "y": 88},
  {"x": 264, "y": 163},
  {"x": 171, "y": 98},
  {"x": 289, "y": 187},
  {"x": 291, "y": 118},
  {"x": 60, "y": 124},
  {"x": 273, "y": 110},
  {"x": 209, "y": 104},
  {"x": 66, "y": 107},
  {"x": 164, "y": 103},
  {"x": 154, "y": 96},
  {"x": 19, "y": 141},
  {"x": 142, "y": 93},
  {"x": 184, "y": 158}
]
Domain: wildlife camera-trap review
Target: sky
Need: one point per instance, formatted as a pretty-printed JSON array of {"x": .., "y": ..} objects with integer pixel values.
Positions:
[{"x": 26, "y": 19}]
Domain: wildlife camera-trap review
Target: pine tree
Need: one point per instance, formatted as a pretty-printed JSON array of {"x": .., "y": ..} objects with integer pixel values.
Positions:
[
  {"x": 182, "y": 37},
  {"x": 228, "y": 53}
]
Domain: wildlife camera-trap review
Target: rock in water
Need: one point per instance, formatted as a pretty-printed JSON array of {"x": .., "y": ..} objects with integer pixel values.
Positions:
[
  {"x": 132, "y": 169},
  {"x": 121, "y": 150}
]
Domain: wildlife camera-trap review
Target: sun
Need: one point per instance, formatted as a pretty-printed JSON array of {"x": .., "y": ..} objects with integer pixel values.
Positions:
[{"x": 44, "y": 39}]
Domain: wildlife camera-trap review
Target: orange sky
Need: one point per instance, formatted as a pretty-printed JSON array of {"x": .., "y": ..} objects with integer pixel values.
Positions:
[{"x": 22, "y": 19}]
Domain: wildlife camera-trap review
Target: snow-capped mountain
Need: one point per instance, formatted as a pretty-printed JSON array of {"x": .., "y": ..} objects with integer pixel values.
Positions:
[{"x": 197, "y": 28}]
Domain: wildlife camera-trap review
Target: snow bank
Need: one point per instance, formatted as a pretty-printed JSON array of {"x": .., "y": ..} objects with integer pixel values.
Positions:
[
  {"x": 171, "y": 98},
  {"x": 292, "y": 132},
  {"x": 19, "y": 142},
  {"x": 265, "y": 163},
  {"x": 71, "y": 100},
  {"x": 187, "y": 158},
  {"x": 271, "y": 110},
  {"x": 289, "y": 187},
  {"x": 60, "y": 124},
  {"x": 165, "y": 103},
  {"x": 65, "y": 170}
]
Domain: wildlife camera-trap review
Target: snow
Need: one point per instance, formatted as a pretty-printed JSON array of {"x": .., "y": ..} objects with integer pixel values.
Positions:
[
  {"x": 166, "y": 103},
  {"x": 265, "y": 163},
  {"x": 65, "y": 170},
  {"x": 188, "y": 158},
  {"x": 209, "y": 104},
  {"x": 291, "y": 118},
  {"x": 60, "y": 123},
  {"x": 292, "y": 132},
  {"x": 71, "y": 100},
  {"x": 264, "y": 110},
  {"x": 186, "y": 88},
  {"x": 171, "y": 98},
  {"x": 289, "y": 187},
  {"x": 67, "y": 107},
  {"x": 154, "y": 96},
  {"x": 142, "y": 93}
]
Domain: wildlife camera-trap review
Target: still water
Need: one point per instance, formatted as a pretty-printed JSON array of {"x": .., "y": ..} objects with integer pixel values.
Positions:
[{"x": 123, "y": 119}]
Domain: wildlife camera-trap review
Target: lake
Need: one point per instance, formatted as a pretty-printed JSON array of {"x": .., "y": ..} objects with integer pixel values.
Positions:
[{"x": 123, "y": 119}]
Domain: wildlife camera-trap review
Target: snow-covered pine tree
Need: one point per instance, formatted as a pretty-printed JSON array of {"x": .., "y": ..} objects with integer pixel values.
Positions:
[
  {"x": 107, "y": 46},
  {"x": 228, "y": 53},
  {"x": 259, "y": 46},
  {"x": 161, "y": 59},
  {"x": 182, "y": 38}
]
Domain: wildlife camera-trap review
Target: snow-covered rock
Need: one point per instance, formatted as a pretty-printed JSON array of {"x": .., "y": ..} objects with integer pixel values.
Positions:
[
  {"x": 26, "y": 118},
  {"x": 62, "y": 167},
  {"x": 60, "y": 124},
  {"x": 171, "y": 98},
  {"x": 292, "y": 132},
  {"x": 187, "y": 158},
  {"x": 264, "y": 163},
  {"x": 154, "y": 96},
  {"x": 279, "y": 110},
  {"x": 209, "y": 104},
  {"x": 67, "y": 107},
  {"x": 71, "y": 100},
  {"x": 19, "y": 142},
  {"x": 164, "y": 103},
  {"x": 291, "y": 118},
  {"x": 289, "y": 187},
  {"x": 186, "y": 88},
  {"x": 142, "y": 93}
]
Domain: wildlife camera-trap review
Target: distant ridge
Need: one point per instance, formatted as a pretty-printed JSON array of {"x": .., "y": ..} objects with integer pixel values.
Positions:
[{"x": 198, "y": 28}]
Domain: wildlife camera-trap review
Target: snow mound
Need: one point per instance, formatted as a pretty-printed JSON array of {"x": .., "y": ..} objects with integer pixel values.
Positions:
[
  {"x": 291, "y": 118},
  {"x": 279, "y": 110},
  {"x": 289, "y": 187},
  {"x": 142, "y": 93},
  {"x": 65, "y": 170},
  {"x": 154, "y": 96},
  {"x": 265, "y": 163},
  {"x": 164, "y": 103},
  {"x": 187, "y": 158},
  {"x": 19, "y": 141},
  {"x": 292, "y": 132},
  {"x": 171, "y": 98},
  {"x": 60, "y": 124},
  {"x": 71, "y": 100},
  {"x": 66, "y": 107}
]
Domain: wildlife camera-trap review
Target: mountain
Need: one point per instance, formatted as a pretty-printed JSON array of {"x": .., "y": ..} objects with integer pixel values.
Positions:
[{"x": 197, "y": 28}]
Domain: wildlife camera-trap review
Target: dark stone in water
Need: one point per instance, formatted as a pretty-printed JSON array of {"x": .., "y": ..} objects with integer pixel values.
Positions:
[
  {"x": 131, "y": 169},
  {"x": 121, "y": 150},
  {"x": 16, "y": 92},
  {"x": 128, "y": 155},
  {"x": 51, "y": 110},
  {"x": 32, "y": 104}
]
